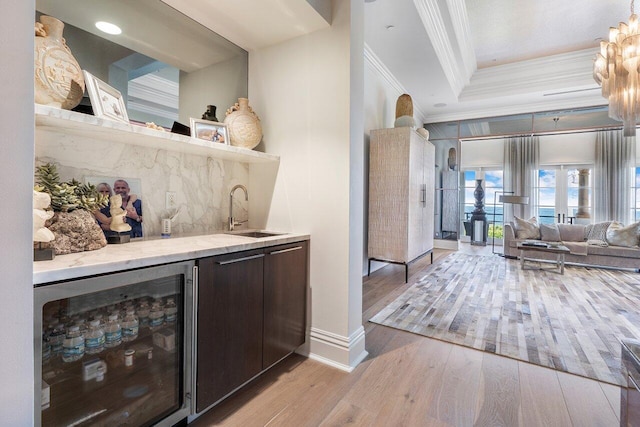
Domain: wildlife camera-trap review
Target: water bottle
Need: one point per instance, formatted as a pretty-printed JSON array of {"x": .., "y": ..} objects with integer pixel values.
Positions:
[
  {"x": 112, "y": 332},
  {"x": 130, "y": 326},
  {"x": 100, "y": 318},
  {"x": 156, "y": 316},
  {"x": 126, "y": 306},
  {"x": 73, "y": 345},
  {"x": 143, "y": 314},
  {"x": 56, "y": 337},
  {"x": 170, "y": 311},
  {"x": 94, "y": 340}
]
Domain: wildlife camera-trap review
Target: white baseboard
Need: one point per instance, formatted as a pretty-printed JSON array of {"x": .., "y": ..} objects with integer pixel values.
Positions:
[{"x": 344, "y": 353}]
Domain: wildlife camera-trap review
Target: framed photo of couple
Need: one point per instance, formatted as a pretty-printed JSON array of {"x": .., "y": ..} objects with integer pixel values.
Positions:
[{"x": 210, "y": 131}]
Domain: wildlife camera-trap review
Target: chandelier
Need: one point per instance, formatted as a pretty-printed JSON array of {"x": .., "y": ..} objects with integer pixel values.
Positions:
[{"x": 616, "y": 70}]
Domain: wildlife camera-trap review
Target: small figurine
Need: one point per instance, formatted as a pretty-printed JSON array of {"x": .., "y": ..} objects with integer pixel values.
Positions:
[
  {"x": 118, "y": 215},
  {"x": 210, "y": 114},
  {"x": 42, "y": 234},
  {"x": 41, "y": 201}
]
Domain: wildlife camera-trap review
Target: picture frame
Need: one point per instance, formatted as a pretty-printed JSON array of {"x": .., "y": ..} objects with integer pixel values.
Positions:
[
  {"x": 106, "y": 100},
  {"x": 210, "y": 131}
]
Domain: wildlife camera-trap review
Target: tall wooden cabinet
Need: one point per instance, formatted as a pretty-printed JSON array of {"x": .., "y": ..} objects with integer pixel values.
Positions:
[{"x": 401, "y": 196}]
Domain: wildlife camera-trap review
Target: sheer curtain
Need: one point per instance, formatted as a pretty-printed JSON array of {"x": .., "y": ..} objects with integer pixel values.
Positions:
[
  {"x": 613, "y": 176},
  {"x": 521, "y": 163}
]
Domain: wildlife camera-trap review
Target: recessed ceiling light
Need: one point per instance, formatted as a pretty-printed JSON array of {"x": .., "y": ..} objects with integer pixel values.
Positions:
[
  {"x": 440, "y": 105},
  {"x": 108, "y": 27}
]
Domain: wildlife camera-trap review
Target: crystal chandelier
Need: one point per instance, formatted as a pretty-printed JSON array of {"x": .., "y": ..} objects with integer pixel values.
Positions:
[{"x": 616, "y": 70}]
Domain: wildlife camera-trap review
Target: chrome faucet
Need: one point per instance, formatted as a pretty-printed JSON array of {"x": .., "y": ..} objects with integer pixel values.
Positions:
[{"x": 232, "y": 221}]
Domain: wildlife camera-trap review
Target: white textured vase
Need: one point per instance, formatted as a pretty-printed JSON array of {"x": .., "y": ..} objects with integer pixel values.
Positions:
[
  {"x": 243, "y": 124},
  {"x": 58, "y": 77}
]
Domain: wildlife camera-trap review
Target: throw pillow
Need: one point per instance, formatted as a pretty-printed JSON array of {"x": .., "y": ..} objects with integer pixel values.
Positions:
[
  {"x": 572, "y": 232},
  {"x": 597, "y": 231},
  {"x": 526, "y": 229},
  {"x": 619, "y": 235},
  {"x": 549, "y": 232}
]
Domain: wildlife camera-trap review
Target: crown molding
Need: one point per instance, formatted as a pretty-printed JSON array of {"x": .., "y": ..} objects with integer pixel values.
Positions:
[
  {"x": 436, "y": 29},
  {"x": 460, "y": 22},
  {"x": 566, "y": 71},
  {"x": 378, "y": 66},
  {"x": 526, "y": 107}
]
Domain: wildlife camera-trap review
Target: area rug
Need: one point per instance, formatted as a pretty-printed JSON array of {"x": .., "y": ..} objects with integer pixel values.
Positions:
[{"x": 572, "y": 322}]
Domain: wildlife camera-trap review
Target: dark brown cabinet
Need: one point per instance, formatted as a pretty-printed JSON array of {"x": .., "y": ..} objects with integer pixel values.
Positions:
[
  {"x": 251, "y": 313},
  {"x": 229, "y": 324},
  {"x": 285, "y": 286}
]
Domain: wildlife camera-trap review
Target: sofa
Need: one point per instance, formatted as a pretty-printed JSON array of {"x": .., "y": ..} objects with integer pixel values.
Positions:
[{"x": 593, "y": 244}]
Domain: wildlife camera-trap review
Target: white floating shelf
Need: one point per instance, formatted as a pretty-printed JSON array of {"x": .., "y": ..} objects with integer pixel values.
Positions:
[{"x": 56, "y": 120}]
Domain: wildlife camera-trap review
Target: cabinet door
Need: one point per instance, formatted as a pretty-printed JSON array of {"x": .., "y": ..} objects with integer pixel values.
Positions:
[
  {"x": 229, "y": 324},
  {"x": 285, "y": 293},
  {"x": 416, "y": 200},
  {"x": 429, "y": 196}
]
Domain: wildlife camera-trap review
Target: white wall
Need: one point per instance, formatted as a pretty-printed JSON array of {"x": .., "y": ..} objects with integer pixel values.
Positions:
[
  {"x": 16, "y": 174},
  {"x": 303, "y": 90},
  {"x": 220, "y": 85}
]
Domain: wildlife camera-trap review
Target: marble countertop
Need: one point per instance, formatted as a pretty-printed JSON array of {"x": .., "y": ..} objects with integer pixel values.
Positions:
[{"x": 148, "y": 252}]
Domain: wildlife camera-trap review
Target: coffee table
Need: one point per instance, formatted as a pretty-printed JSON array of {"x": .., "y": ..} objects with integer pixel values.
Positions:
[{"x": 559, "y": 250}]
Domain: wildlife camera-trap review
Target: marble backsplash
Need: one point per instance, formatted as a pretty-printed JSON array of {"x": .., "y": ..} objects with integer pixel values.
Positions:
[{"x": 201, "y": 183}]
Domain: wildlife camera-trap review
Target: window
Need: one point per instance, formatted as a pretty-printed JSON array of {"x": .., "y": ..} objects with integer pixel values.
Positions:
[{"x": 559, "y": 194}]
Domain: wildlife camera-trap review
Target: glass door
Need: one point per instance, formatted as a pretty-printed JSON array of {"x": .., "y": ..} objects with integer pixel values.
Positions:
[{"x": 113, "y": 349}]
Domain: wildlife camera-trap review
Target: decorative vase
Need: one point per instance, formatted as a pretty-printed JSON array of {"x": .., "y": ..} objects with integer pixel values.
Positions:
[
  {"x": 404, "y": 105},
  {"x": 404, "y": 112},
  {"x": 58, "y": 77},
  {"x": 210, "y": 114},
  {"x": 243, "y": 124}
]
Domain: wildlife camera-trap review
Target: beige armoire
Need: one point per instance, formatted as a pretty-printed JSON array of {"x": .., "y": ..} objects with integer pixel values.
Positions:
[{"x": 401, "y": 196}]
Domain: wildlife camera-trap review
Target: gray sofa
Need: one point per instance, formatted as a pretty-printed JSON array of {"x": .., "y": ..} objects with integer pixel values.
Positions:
[{"x": 581, "y": 252}]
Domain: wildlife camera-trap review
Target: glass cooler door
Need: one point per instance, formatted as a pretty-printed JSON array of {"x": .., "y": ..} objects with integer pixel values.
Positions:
[{"x": 113, "y": 349}]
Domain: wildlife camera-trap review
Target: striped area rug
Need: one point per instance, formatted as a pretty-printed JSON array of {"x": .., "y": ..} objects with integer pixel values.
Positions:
[{"x": 572, "y": 322}]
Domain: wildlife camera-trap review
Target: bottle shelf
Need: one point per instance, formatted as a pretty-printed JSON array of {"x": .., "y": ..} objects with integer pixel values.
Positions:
[{"x": 127, "y": 394}]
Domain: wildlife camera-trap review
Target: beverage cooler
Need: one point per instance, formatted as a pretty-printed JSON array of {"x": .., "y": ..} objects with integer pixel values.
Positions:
[{"x": 115, "y": 349}]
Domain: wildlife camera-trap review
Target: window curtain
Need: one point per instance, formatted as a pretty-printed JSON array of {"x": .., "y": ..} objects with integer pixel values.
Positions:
[
  {"x": 613, "y": 176},
  {"x": 521, "y": 164}
]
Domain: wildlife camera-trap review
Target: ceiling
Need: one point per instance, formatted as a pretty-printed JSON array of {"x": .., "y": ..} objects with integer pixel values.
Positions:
[{"x": 464, "y": 59}]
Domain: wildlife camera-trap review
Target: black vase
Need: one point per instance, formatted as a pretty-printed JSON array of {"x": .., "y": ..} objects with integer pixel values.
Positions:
[{"x": 210, "y": 114}]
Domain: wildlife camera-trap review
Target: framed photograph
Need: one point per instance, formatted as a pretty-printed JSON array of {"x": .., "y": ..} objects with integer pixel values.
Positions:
[
  {"x": 210, "y": 131},
  {"x": 106, "y": 101}
]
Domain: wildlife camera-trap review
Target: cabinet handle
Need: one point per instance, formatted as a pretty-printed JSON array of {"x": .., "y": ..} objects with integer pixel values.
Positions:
[
  {"x": 423, "y": 195},
  {"x": 247, "y": 258},
  {"x": 194, "y": 338},
  {"x": 281, "y": 251}
]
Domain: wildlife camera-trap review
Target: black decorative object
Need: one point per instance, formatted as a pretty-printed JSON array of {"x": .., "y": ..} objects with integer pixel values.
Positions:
[
  {"x": 479, "y": 225},
  {"x": 181, "y": 129},
  {"x": 43, "y": 254},
  {"x": 114, "y": 237},
  {"x": 210, "y": 114}
]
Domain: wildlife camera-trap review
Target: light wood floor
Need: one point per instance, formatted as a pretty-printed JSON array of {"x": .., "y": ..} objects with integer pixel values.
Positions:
[{"x": 409, "y": 380}]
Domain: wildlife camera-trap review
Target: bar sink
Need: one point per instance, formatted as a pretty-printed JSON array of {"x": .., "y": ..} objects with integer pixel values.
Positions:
[{"x": 255, "y": 234}]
